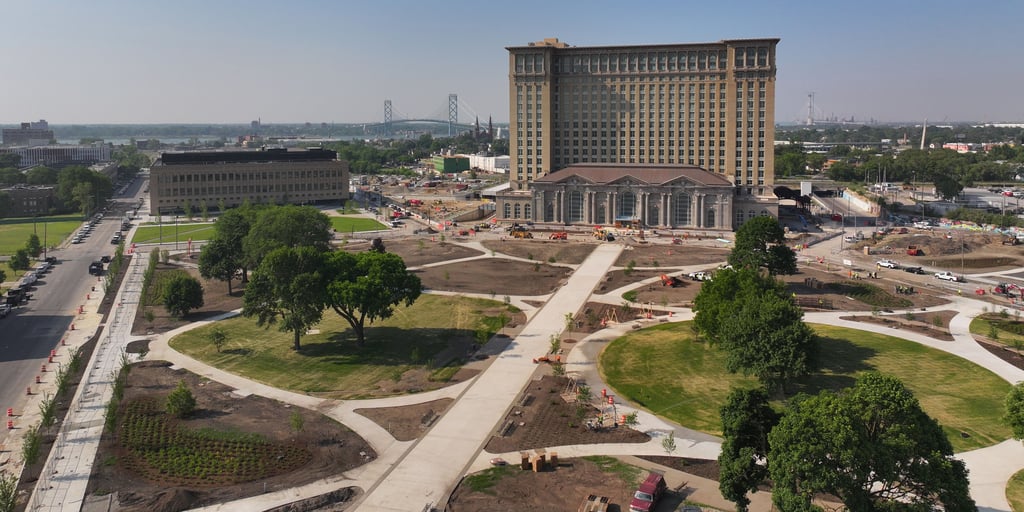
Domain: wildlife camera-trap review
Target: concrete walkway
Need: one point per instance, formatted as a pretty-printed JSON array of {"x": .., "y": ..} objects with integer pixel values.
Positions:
[{"x": 427, "y": 473}]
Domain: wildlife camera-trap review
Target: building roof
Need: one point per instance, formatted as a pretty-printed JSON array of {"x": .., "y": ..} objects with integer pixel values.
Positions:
[
  {"x": 652, "y": 174},
  {"x": 242, "y": 157},
  {"x": 562, "y": 46}
]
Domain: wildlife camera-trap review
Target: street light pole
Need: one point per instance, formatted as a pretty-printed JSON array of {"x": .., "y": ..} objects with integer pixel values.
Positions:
[{"x": 175, "y": 232}]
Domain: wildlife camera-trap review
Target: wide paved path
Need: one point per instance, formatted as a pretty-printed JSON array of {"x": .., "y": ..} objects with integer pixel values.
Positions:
[{"x": 434, "y": 465}]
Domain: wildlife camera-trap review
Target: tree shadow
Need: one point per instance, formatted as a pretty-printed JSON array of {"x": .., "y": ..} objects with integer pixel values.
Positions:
[
  {"x": 839, "y": 363},
  {"x": 386, "y": 346}
]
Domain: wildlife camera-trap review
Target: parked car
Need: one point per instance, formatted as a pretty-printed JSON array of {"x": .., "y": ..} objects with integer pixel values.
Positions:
[
  {"x": 949, "y": 276},
  {"x": 914, "y": 270},
  {"x": 4, "y": 309},
  {"x": 888, "y": 264},
  {"x": 648, "y": 493},
  {"x": 699, "y": 276},
  {"x": 105, "y": 259}
]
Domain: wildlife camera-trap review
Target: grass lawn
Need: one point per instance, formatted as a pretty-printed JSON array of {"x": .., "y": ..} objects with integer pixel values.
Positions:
[
  {"x": 1015, "y": 492},
  {"x": 152, "y": 234},
  {"x": 330, "y": 364},
  {"x": 1008, "y": 331},
  {"x": 692, "y": 383},
  {"x": 347, "y": 224},
  {"x": 15, "y": 232}
]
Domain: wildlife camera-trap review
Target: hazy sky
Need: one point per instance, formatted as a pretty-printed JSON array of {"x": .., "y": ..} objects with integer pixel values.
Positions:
[{"x": 214, "y": 61}]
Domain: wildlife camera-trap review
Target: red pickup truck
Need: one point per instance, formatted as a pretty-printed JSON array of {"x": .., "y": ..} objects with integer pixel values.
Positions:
[{"x": 648, "y": 493}]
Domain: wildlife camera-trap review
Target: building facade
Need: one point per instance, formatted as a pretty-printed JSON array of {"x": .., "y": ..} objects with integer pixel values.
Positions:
[
  {"x": 61, "y": 154},
  {"x": 31, "y": 200},
  {"x": 28, "y": 134},
  {"x": 659, "y": 196},
  {"x": 710, "y": 105},
  {"x": 231, "y": 178},
  {"x": 496, "y": 164}
]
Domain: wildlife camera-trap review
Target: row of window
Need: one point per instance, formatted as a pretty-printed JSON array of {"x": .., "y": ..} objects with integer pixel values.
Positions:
[
  {"x": 249, "y": 188},
  {"x": 253, "y": 198},
  {"x": 667, "y": 61},
  {"x": 248, "y": 176}
]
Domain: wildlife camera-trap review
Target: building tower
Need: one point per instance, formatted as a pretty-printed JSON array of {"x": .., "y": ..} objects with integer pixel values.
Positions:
[{"x": 710, "y": 105}]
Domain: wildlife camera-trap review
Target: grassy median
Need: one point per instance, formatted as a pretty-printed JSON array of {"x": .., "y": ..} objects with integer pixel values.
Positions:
[{"x": 664, "y": 369}]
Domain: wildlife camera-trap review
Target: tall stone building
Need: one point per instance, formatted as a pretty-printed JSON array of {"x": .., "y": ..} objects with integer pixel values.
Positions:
[{"x": 706, "y": 105}]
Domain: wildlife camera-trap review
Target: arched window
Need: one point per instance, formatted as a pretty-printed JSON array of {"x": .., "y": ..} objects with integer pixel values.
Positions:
[
  {"x": 627, "y": 205},
  {"x": 681, "y": 215},
  {"x": 508, "y": 210},
  {"x": 739, "y": 218},
  {"x": 527, "y": 210},
  {"x": 519, "y": 211},
  {"x": 751, "y": 214},
  {"x": 575, "y": 206}
]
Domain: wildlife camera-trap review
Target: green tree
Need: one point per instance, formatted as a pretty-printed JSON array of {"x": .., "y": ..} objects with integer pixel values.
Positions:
[
  {"x": 33, "y": 246},
  {"x": 41, "y": 176},
  {"x": 5, "y": 203},
  {"x": 1014, "y": 410},
  {"x": 367, "y": 286},
  {"x": 218, "y": 337},
  {"x": 217, "y": 260},
  {"x": 10, "y": 160},
  {"x": 746, "y": 421},
  {"x": 752, "y": 318},
  {"x": 182, "y": 294},
  {"x": 790, "y": 160},
  {"x": 871, "y": 446},
  {"x": 231, "y": 229},
  {"x": 20, "y": 260},
  {"x": 181, "y": 403},
  {"x": 948, "y": 187},
  {"x": 11, "y": 176},
  {"x": 286, "y": 226},
  {"x": 761, "y": 242},
  {"x": 288, "y": 286},
  {"x": 81, "y": 189}
]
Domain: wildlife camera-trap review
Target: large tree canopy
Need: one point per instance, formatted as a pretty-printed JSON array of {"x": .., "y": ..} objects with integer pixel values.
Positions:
[
  {"x": 746, "y": 421},
  {"x": 288, "y": 287},
  {"x": 752, "y": 318},
  {"x": 285, "y": 226},
  {"x": 82, "y": 189},
  {"x": 368, "y": 285},
  {"x": 871, "y": 446},
  {"x": 760, "y": 242}
]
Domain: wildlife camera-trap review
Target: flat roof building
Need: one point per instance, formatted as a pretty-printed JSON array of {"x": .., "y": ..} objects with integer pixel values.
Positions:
[
  {"x": 230, "y": 178},
  {"x": 710, "y": 105},
  {"x": 28, "y": 134}
]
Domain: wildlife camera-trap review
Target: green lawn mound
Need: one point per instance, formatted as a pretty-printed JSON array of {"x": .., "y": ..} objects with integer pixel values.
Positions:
[
  {"x": 664, "y": 369},
  {"x": 167, "y": 232},
  {"x": 1015, "y": 492},
  {"x": 420, "y": 347},
  {"x": 355, "y": 223}
]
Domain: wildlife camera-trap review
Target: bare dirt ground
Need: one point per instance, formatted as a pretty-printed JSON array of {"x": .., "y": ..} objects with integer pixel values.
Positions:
[
  {"x": 559, "y": 489},
  {"x": 563, "y": 251},
  {"x": 665, "y": 255},
  {"x": 215, "y": 301},
  {"x": 949, "y": 249},
  {"x": 332, "y": 449},
  {"x": 408, "y": 422},
  {"x": 933, "y": 324},
  {"x": 420, "y": 251},
  {"x": 496, "y": 276}
]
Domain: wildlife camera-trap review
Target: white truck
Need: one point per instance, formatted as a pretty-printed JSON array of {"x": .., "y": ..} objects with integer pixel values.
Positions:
[{"x": 949, "y": 276}]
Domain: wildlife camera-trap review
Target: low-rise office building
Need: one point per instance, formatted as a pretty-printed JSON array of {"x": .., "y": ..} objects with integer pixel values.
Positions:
[
  {"x": 231, "y": 178},
  {"x": 30, "y": 200}
]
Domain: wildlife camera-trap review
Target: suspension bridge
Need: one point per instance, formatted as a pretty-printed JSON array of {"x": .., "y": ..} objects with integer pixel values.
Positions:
[{"x": 393, "y": 118}]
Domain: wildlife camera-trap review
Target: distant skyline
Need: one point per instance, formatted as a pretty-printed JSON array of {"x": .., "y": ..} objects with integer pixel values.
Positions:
[{"x": 192, "y": 61}]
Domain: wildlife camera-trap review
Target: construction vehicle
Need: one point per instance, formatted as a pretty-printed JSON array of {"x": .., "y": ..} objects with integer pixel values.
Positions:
[
  {"x": 559, "y": 235},
  {"x": 673, "y": 281},
  {"x": 521, "y": 233},
  {"x": 913, "y": 250},
  {"x": 1006, "y": 289},
  {"x": 1010, "y": 240},
  {"x": 603, "y": 234}
]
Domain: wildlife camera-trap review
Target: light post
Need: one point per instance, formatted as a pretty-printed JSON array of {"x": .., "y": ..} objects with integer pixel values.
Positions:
[
  {"x": 160, "y": 229},
  {"x": 175, "y": 232},
  {"x": 44, "y": 239}
]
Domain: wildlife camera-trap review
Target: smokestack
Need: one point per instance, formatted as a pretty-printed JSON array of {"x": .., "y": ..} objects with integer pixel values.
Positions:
[{"x": 924, "y": 130}]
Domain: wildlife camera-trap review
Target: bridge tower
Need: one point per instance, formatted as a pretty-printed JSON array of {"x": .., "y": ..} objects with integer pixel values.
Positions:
[
  {"x": 387, "y": 117},
  {"x": 453, "y": 113}
]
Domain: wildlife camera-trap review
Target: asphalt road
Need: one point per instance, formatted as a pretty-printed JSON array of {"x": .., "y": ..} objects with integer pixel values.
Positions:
[{"x": 30, "y": 331}]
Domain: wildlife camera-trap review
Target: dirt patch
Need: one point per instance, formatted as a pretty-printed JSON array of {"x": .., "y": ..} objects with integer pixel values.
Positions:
[
  {"x": 216, "y": 301},
  {"x": 496, "y": 276},
  {"x": 668, "y": 255},
  {"x": 812, "y": 284},
  {"x": 420, "y": 251},
  {"x": 408, "y": 422},
  {"x": 932, "y": 324},
  {"x": 563, "y": 488},
  {"x": 656, "y": 292},
  {"x": 1006, "y": 353},
  {"x": 541, "y": 418},
  {"x": 330, "y": 447},
  {"x": 951, "y": 249},
  {"x": 705, "y": 468},
  {"x": 563, "y": 251}
]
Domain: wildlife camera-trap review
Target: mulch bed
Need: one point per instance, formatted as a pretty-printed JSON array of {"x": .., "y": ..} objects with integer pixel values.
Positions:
[
  {"x": 548, "y": 420},
  {"x": 922, "y": 323},
  {"x": 495, "y": 276},
  {"x": 704, "y": 468},
  {"x": 408, "y": 422}
]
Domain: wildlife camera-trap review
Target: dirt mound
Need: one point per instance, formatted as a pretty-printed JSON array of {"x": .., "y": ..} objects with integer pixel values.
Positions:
[{"x": 169, "y": 500}]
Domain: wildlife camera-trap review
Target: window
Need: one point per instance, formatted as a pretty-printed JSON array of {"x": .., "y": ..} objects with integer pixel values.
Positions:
[
  {"x": 627, "y": 205},
  {"x": 507, "y": 211},
  {"x": 681, "y": 205},
  {"x": 575, "y": 206}
]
